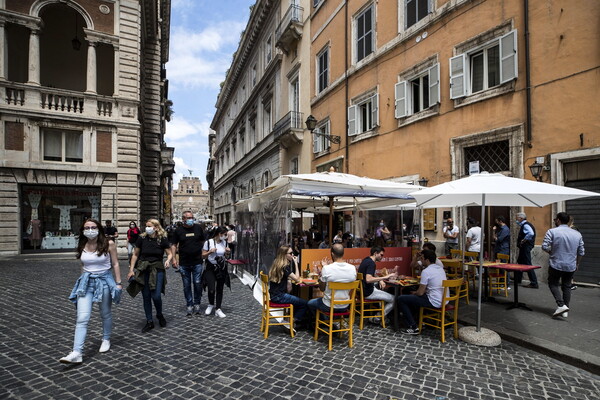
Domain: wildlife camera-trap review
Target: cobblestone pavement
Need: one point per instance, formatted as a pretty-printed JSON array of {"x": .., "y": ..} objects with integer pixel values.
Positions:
[{"x": 210, "y": 358}]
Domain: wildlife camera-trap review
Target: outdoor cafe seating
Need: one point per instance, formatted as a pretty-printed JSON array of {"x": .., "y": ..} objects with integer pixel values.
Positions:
[
  {"x": 337, "y": 322},
  {"x": 447, "y": 315},
  {"x": 283, "y": 311},
  {"x": 498, "y": 278},
  {"x": 367, "y": 308}
]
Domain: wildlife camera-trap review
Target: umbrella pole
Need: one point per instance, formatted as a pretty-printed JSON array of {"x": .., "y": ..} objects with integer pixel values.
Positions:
[
  {"x": 330, "y": 220},
  {"x": 481, "y": 250}
]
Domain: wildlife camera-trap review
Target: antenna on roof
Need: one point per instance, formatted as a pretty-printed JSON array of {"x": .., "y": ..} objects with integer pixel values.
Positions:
[{"x": 190, "y": 171}]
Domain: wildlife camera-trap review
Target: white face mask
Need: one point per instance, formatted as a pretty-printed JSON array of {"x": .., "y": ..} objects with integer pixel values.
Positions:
[
  {"x": 223, "y": 237},
  {"x": 90, "y": 234},
  {"x": 149, "y": 230}
]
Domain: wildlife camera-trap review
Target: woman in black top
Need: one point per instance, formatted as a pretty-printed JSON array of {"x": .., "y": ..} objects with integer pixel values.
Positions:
[
  {"x": 285, "y": 267},
  {"x": 149, "y": 273}
]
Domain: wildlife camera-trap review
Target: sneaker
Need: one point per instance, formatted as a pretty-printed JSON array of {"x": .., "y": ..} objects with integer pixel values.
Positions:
[
  {"x": 149, "y": 325},
  {"x": 410, "y": 331},
  {"x": 565, "y": 314},
  {"x": 375, "y": 320},
  {"x": 560, "y": 310},
  {"x": 189, "y": 311},
  {"x": 74, "y": 357},
  {"x": 573, "y": 287},
  {"x": 105, "y": 346},
  {"x": 197, "y": 308},
  {"x": 161, "y": 321},
  {"x": 220, "y": 313},
  {"x": 209, "y": 309},
  {"x": 532, "y": 286}
]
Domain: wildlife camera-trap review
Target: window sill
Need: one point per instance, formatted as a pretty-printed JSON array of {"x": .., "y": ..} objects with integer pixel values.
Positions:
[
  {"x": 485, "y": 95},
  {"x": 321, "y": 153},
  {"x": 363, "y": 135},
  {"x": 421, "y": 115}
]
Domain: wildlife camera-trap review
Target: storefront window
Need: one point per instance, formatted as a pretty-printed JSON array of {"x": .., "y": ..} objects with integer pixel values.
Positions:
[{"x": 51, "y": 215}]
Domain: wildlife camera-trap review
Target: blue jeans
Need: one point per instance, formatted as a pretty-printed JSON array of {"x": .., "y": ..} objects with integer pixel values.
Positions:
[
  {"x": 317, "y": 304},
  {"x": 153, "y": 295},
  {"x": 189, "y": 272},
  {"x": 84, "y": 311},
  {"x": 410, "y": 304},
  {"x": 299, "y": 304},
  {"x": 525, "y": 258}
]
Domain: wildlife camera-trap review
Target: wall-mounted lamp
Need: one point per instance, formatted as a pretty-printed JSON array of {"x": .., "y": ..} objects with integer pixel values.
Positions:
[
  {"x": 538, "y": 168},
  {"x": 423, "y": 182},
  {"x": 311, "y": 124}
]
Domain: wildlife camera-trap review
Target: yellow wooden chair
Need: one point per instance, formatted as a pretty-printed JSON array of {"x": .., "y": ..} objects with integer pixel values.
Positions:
[
  {"x": 440, "y": 318},
  {"x": 345, "y": 320},
  {"x": 367, "y": 308},
  {"x": 455, "y": 270},
  {"x": 498, "y": 278},
  {"x": 284, "y": 311},
  {"x": 455, "y": 253},
  {"x": 471, "y": 272}
]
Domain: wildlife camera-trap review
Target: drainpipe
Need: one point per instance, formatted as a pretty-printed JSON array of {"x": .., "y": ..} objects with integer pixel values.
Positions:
[
  {"x": 347, "y": 163},
  {"x": 528, "y": 133}
]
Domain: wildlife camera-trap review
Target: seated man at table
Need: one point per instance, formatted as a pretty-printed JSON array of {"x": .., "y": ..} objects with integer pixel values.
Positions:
[
  {"x": 416, "y": 263},
  {"x": 337, "y": 271},
  {"x": 429, "y": 294},
  {"x": 367, "y": 268}
]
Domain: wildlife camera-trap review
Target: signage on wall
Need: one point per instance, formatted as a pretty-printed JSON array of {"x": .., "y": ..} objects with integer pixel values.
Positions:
[{"x": 473, "y": 167}]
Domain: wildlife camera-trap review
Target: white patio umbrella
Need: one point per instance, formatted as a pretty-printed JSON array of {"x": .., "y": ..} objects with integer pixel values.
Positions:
[{"x": 486, "y": 189}]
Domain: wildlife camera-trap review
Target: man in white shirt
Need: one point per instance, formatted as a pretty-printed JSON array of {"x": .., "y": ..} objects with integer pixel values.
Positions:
[
  {"x": 451, "y": 235},
  {"x": 429, "y": 293},
  {"x": 337, "y": 271},
  {"x": 473, "y": 235}
]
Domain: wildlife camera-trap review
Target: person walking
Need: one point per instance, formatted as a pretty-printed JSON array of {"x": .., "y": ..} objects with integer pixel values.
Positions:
[
  {"x": 189, "y": 239},
  {"x": 525, "y": 243},
  {"x": 96, "y": 284},
  {"x": 565, "y": 246},
  {"x": 110, "y": 231},
  {"x": 133, "y": 233},
  {"x": 216, "y": 275},
  {"x": 232, "y": 239},
  {"x": 147, "y": 271},
  {"x": 284, "y": 267}
]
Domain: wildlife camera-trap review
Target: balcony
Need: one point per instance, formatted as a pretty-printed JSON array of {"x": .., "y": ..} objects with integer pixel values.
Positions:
[
  {"x": 52, "y": 102},
  {"x": 289, "y": 30},
  {"x": 289, "y": 130}
]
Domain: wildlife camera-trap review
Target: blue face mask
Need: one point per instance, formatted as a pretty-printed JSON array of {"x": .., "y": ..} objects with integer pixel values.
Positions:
[{"x": 189, "y": 222}]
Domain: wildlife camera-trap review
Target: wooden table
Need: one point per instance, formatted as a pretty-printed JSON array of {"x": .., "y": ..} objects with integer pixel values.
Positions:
[
  {"x": 399, "y": 285},
  {"x": 311, "y": 284},
  {"x": 486, "y": 265},
  {"x": 519, "y": 268}
]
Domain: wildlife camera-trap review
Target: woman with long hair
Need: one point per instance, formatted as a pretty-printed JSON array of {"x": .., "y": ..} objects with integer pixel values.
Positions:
[
  {"x": 284, "y": 267},
  {"x": 215, "y": 274},
  {"x": 133, "y": 233},
  {"x": 96, "y": 284},
  {"x": 147, "y": 271}
]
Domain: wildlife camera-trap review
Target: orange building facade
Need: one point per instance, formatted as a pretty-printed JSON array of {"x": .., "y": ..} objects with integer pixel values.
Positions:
[{"x": 429, "y": 88}]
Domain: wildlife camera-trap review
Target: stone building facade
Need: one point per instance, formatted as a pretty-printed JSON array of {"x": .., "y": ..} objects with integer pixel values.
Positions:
[
  {"x": 189, "y": 196},
  {"x": 82, "y": 118}
]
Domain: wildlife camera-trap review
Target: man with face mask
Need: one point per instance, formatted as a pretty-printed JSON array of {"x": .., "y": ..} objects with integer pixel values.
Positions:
[
  {"x": 525, "y": 243},
  {"x": 188, "y": 240}
]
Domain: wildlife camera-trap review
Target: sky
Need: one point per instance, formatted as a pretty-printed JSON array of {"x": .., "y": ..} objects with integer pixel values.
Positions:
[{"x": 204, "y": 36}]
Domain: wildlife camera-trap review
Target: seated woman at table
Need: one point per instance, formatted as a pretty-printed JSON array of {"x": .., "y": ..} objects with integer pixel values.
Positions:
[{"x": 284, "y": 267}]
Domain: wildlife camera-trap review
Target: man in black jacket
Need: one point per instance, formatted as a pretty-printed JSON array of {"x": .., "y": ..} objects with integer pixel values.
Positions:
[{"x": 189, "y": 239}]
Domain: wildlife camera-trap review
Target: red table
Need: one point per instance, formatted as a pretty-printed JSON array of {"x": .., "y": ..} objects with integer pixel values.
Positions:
[{"x": 518, "y": 268}]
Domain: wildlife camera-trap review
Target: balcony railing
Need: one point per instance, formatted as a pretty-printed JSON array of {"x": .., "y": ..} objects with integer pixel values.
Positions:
[
  {"x": 289, "y": 29},
  {"x": 290, "y": 121},
  {"x": 57, "y": 101}
]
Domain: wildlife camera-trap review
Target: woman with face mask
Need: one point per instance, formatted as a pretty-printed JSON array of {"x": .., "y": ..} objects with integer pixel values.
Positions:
[
  {"x": 147, "y": 271},
  {"x": 132, "y": 236},
  {"x": 215, "y": 274},
  {"x": 96, "y": 284}
]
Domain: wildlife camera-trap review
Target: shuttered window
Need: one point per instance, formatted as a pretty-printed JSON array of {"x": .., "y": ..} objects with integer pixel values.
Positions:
[
  {"x": 14, "y": 136},
  {"x": 103, "y": 147}
]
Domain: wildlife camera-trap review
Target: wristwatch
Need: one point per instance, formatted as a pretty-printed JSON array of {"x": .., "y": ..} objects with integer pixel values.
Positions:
[{"x": 119, "y": 283}]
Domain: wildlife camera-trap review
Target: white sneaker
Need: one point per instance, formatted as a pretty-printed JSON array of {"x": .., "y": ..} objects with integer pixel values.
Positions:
[
  {"x": 74, "y": 357},
  {"x": 220, "y": 313},
  {"x": 565, "y": 314},
  {"x": 105, "y": 346},
  {"x": 560, "y": 310},
  {"x": 209, "y": 309}
]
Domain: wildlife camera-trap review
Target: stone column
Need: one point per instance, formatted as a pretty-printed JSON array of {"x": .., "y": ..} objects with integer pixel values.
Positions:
[
  {"x": 3, "y": 57},
  {"x": 34, "y": 57},
  {"x": 116, "y": 71},
  {"x": 91, "y": 68}
]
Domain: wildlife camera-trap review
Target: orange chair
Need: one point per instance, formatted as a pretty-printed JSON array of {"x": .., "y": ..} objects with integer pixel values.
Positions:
[
  {"x": 344, "y": 319},
  {"x": 368, "y": 308},
  {"x": 286, "y": 310},
  {"x": 447, "y": 315},
  {"x": 498, "y": 278}
]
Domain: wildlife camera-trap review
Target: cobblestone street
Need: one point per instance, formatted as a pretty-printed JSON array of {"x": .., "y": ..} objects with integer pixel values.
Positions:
[{"x": 204, "y": 357}]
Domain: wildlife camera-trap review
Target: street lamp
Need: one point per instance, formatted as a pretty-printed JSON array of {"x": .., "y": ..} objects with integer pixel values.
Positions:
[
  {"x": 423, "y": 182},
  {"x": 311, "y": 124}
]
